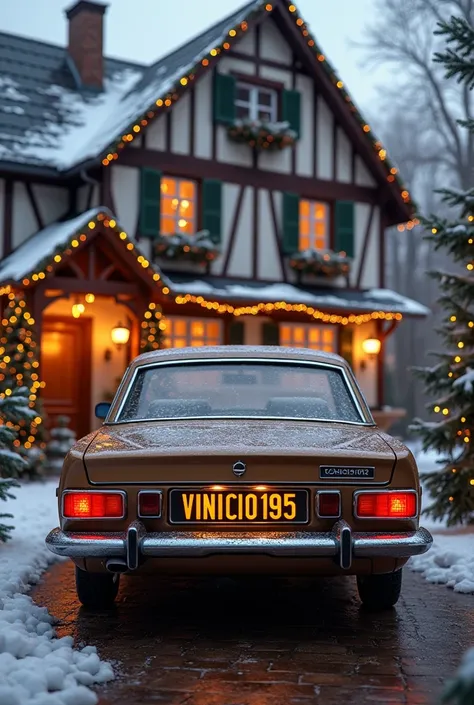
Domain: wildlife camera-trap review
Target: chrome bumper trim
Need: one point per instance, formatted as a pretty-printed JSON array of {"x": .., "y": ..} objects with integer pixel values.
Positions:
[{"x": 341, "y": 542}]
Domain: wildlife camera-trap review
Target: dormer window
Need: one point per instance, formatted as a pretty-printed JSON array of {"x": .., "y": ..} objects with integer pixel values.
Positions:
[{"x": 256, "y": 102}]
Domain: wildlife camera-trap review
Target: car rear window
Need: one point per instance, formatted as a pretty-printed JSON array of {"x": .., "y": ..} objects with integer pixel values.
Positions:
[{"x": 240, "y": 389}]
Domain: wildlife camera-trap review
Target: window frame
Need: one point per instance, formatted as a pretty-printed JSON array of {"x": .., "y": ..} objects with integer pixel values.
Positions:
[
  {"x": 188, "y": 336},
  {"x": 307, "y": 327},
  {"x": 353, "y": 389},
  {"x": 311, "y": 218},
  {"x": 196, "y": 201},
  {"x": 253, "y": 103}
]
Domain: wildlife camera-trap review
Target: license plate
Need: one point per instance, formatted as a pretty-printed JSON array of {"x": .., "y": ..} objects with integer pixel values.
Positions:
[{"x": 238, "y": 506}]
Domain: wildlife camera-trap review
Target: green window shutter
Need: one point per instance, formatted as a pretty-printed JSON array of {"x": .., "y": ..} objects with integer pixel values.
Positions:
[
  {"x": 236, "y": 333},
  {"x": 291, "y": 109},
  {"x": 270, "y": 334},
  {"x": 212, "y": 208},
  {"x": 344, "y": 227},
  {"x": 150, "y": 195},
  {"x": 346, "y": 342},
  {"x": 224, "y": 98},
  {"x": 291, "y": 223}
]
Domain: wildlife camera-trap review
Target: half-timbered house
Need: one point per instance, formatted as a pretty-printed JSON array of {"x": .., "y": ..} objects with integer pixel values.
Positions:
[{"x": 230, "y": 192}]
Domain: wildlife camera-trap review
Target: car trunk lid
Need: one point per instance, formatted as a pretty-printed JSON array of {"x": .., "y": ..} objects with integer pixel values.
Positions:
[{"x": 176, "y": 452}]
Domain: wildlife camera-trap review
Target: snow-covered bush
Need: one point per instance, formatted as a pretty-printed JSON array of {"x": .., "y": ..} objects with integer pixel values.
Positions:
[
  {"x": 13, "y": 409},
  {"x": 198, "y": 248},
  {"x": 262, "y": 134},
  {"x": 460, "y": 690}
]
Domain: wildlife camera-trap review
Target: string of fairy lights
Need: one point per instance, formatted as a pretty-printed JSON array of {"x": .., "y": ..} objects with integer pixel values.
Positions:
[
  {"x": 103, "y": 218},
  {"x": 465, "y": 433},
  {"x": 18, "y": 368},
  {"x": 174, "y": 94}
]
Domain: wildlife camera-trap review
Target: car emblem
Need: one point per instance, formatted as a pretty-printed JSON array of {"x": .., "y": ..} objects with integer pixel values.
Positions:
[{"x": 239, "y": 468}]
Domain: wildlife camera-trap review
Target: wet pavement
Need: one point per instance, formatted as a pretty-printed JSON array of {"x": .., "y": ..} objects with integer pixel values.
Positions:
[{"x": 267, "y": 642}]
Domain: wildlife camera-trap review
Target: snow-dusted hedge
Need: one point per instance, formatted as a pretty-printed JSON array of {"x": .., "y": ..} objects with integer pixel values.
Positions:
[
  {"x": 460, "y": 690},
  {"x": 198, "y": 248},
  {"x": 262, "y": 134},
  {"x": 324, "y": 263}
]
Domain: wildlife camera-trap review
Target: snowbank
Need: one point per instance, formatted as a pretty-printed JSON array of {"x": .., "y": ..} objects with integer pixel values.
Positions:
[
  {"x": 450, "y": 561},
  {"x": 36, "y": 668}
]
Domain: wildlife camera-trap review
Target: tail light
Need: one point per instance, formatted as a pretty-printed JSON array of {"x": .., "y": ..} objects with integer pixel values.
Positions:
[
  {"x": 386, "y": 505},
  {"x": 93, "y": 505},
  {"x": 328, "y": 504},
  {"x": 149, "y": 504}
]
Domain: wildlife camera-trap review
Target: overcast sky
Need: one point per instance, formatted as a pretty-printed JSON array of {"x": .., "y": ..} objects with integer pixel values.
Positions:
[{"x": 144, "y": 30}]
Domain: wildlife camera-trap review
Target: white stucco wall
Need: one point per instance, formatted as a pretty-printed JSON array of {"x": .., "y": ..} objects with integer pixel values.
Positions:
[
  {"x": 125, "y": 185},
  {"x": 2, "y": 207},
  {"x": 240, "y": 264},
  {"x": 272, "y": 44},
  {"x": 269, "y": 266},
  {"x": 324, "y": 153},
  {"x": 24, "y": 221},
  {"x": 52, "y": 201},
  {"x": 203, "y": 117}
]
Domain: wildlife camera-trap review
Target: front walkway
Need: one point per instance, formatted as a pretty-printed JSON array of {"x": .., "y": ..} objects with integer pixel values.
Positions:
[{"x": 267, "y": 642}]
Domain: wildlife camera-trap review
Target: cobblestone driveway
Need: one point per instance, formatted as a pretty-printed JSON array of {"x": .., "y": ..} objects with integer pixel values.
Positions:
[{"x": 267, "y": 642}]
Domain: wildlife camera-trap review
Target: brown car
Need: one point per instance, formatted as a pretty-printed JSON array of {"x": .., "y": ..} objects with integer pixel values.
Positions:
[{"x": 239, "y": 460}]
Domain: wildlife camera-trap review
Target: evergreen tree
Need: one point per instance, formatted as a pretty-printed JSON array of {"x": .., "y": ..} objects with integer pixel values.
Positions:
[
  {"x": 153, "y": 327},
  {"x": 14, "y": 408},
  {"x": 451, "y": 381},
  {"x": 19, "y": 368}
]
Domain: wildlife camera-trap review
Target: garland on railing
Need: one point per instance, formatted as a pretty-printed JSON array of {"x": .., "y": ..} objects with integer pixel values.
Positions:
[
  {"x": 198, "y": 248},
  {"x": 326, "y": 263},
  {"x": 262, "y": 134}
]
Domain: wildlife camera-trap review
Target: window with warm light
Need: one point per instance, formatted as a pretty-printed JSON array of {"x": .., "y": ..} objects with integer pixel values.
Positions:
[
  {"x": 182, "y": 332},
  {"x": 314, "y": 225},
  {"x": 256, "y": 103},
  {"x": 178, "y": 206},
  {"x": 307, "y": 336}
]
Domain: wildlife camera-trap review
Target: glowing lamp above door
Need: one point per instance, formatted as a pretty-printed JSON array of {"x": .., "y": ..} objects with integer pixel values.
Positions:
[{"x": 120, "y": 335}]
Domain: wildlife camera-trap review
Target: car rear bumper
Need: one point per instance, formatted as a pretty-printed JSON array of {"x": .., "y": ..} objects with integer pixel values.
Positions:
[{"x": 136, "y": 544}]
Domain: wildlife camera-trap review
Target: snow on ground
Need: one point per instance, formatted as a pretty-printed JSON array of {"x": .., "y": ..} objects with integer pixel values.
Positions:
[
  {"x": 36, "y": 668},
  {"x": 450, "y": 561}
]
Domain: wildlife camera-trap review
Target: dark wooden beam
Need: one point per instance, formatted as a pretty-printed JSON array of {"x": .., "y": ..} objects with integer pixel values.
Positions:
[
  {"x": 263, "y": 62},
  {"x": 233, "y": 230},
  {"x": 34, "y": 205},
  {"x": 107, "y": 197},
  {"x": 365, "y": 247},
  {"x": 8, "y": 218},
  {"x": 93, "y": 286},
  {"x": 192, "y": 117},
  {"x": 315, "y": 129},
  {"x": 193, "y": 167},
  {"x": 278, "y": 238},
  {"x": 255, "y": 215}
]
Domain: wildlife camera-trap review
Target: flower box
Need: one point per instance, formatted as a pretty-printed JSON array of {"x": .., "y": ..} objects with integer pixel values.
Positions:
[
  {"x": 182, "y": 247},
  {"x": 325, "y": 263},
  {"x": 261, "y": 134}
]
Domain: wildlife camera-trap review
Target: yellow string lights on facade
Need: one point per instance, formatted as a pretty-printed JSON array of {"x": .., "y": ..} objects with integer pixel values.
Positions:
[
  {"x": 17, "y": 307},
  {"x": 205, "y": 62},
  {"x": 222, "y": 308}
]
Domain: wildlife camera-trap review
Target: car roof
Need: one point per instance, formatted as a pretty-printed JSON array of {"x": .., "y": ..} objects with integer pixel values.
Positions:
[{"x": 268, "y": 352}]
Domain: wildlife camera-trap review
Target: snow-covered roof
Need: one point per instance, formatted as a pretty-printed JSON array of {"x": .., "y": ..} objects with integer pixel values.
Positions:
[
  {"x": 42, "y": 246},
  {"x": 330, "y": 299},
  {"x": 45, "y": 121}
]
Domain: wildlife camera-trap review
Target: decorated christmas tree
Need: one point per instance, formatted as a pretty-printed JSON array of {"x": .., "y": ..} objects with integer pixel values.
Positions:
[
  {"x": 14, "y": 409},
  {"x": 153, "y": 327},
  {"x": 450, "y": 382},
  {"x": 19, "y": 368}
]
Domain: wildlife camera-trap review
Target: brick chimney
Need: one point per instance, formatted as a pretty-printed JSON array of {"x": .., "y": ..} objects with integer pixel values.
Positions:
[{"x": 86, "y": 20}]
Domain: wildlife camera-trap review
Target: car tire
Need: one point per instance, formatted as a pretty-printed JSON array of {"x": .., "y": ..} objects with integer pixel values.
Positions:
[
  {"x": 96, "y": 590},
  {"x": 379, "y": 592}
]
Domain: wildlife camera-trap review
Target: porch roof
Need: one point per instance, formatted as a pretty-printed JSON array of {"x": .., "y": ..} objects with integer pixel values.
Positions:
[{"x": 327, "y": 299}]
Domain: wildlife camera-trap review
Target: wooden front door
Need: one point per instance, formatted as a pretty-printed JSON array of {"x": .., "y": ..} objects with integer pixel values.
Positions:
[{"x": 66, "y": 369}]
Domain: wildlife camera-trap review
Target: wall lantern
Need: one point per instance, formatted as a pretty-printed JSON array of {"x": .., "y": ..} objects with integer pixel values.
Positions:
[
  {"x": 120, "y": 335},
  {"x": 371, "y": 346}
]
